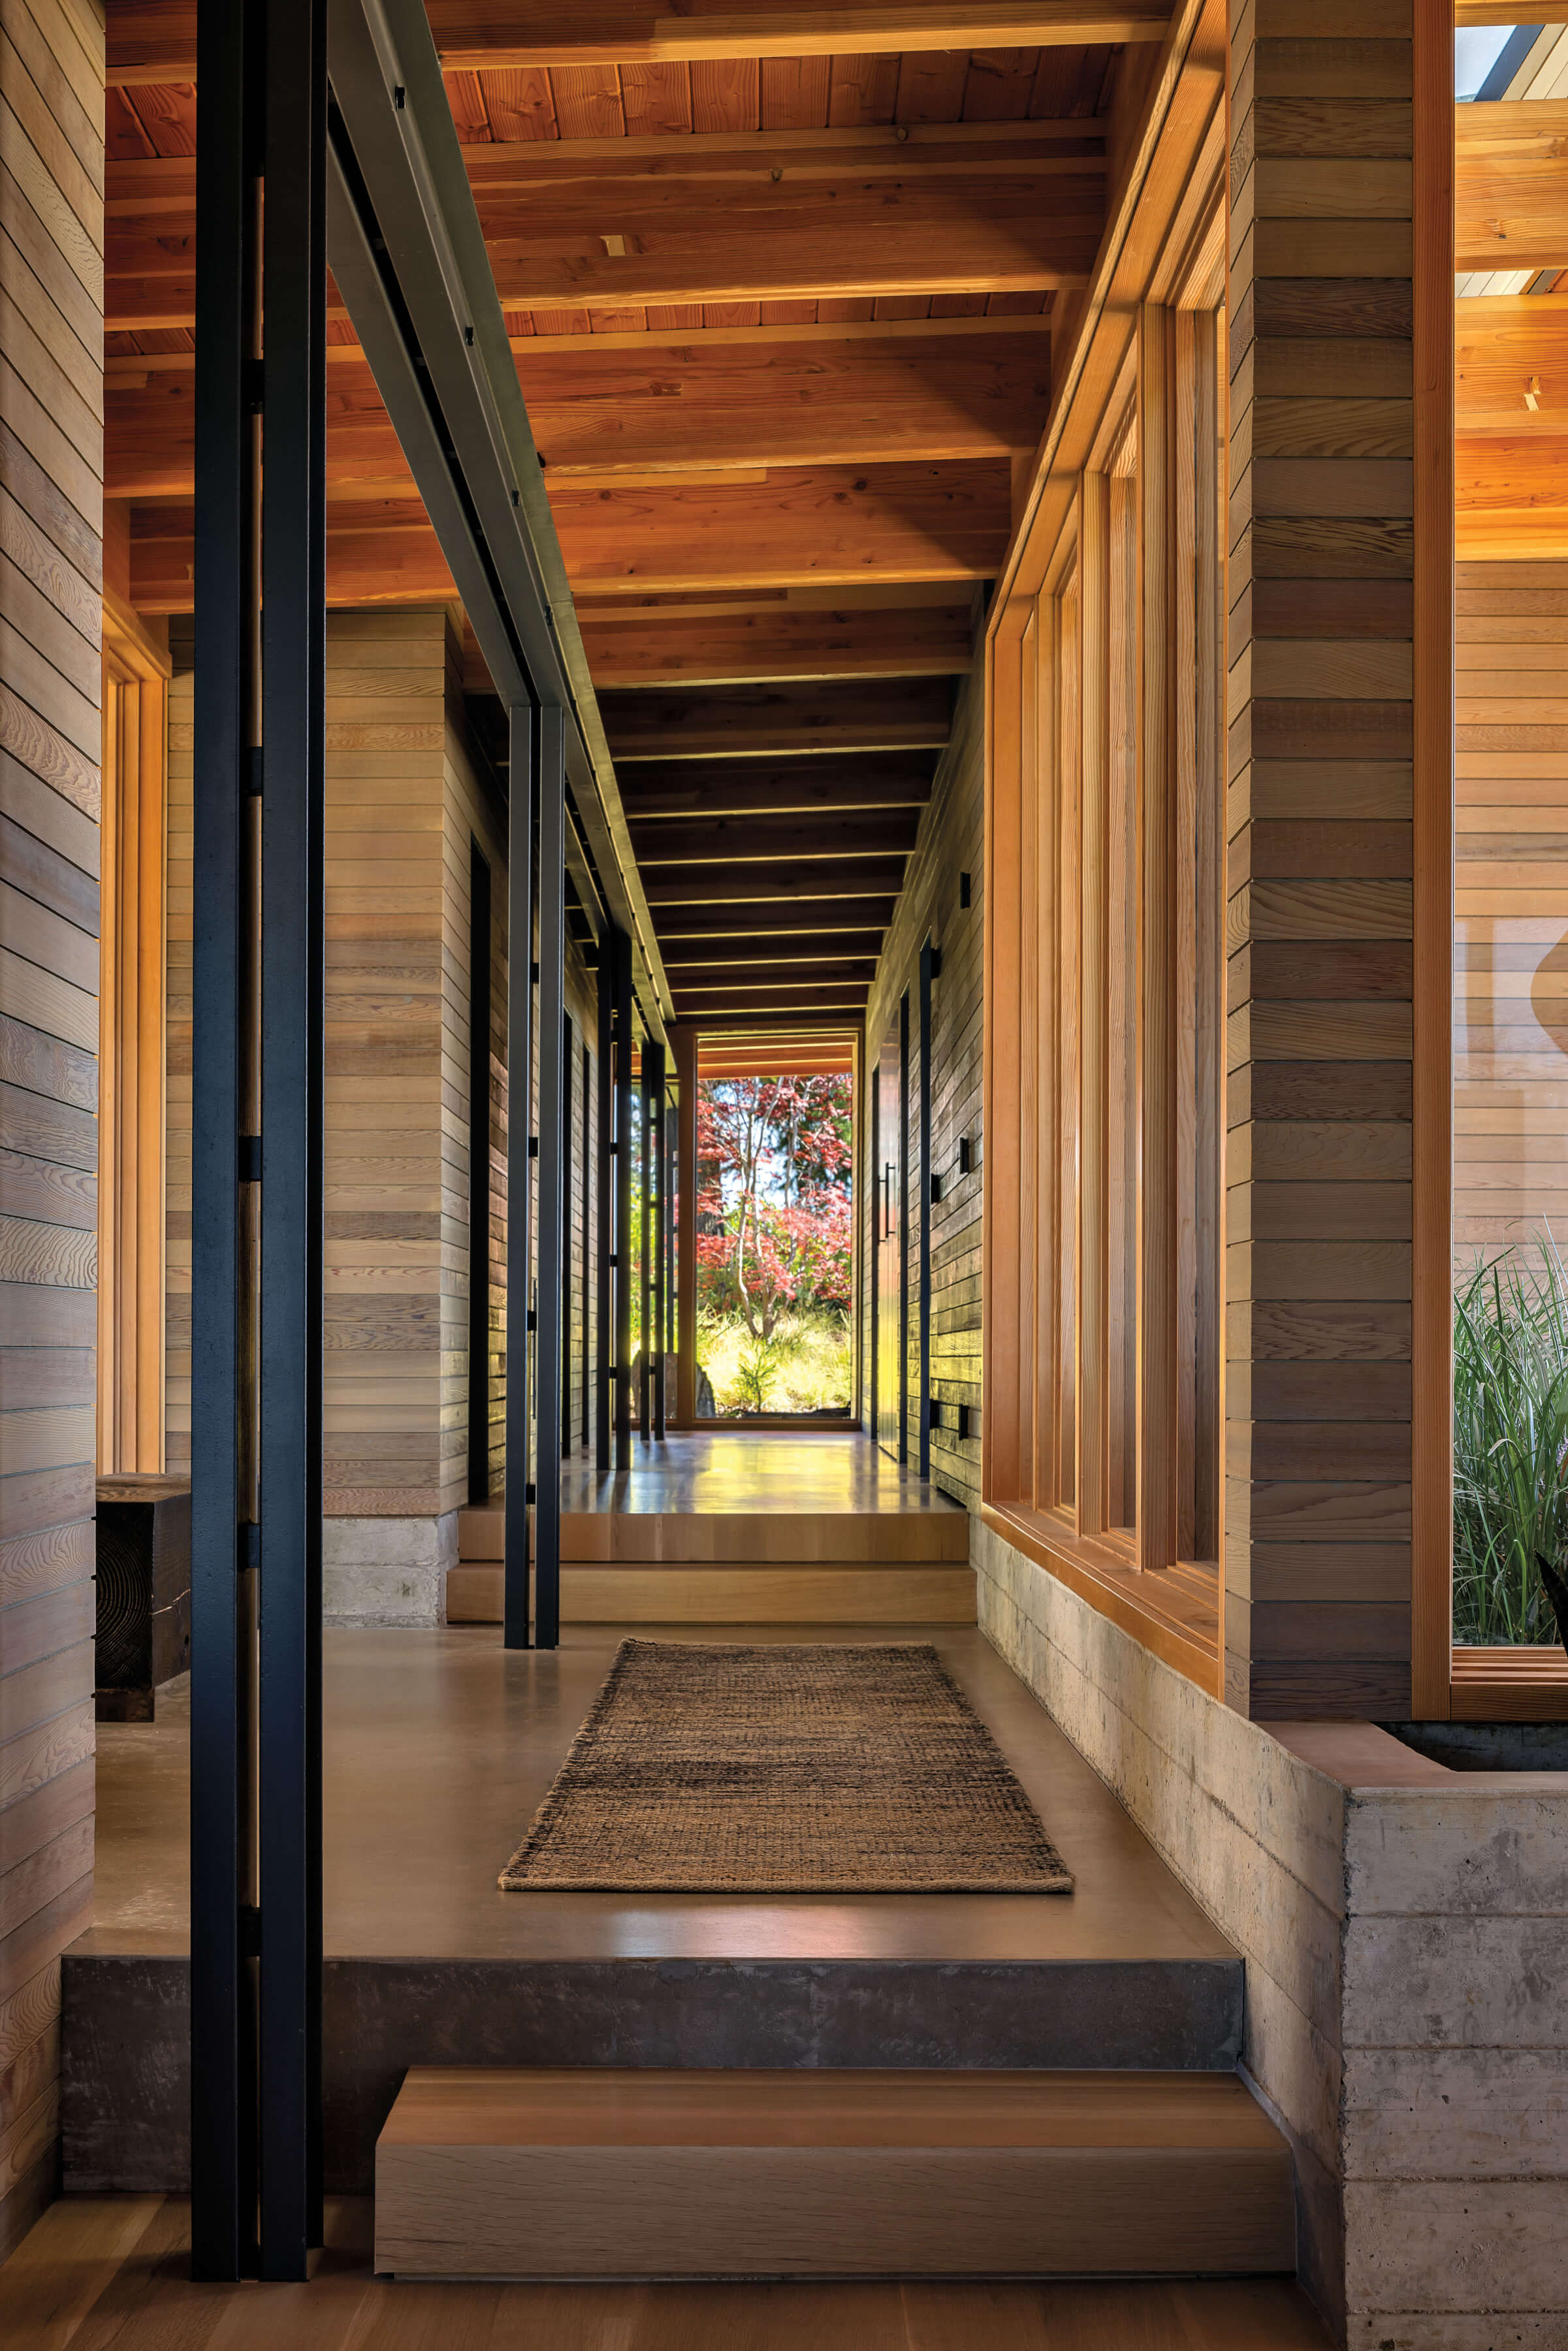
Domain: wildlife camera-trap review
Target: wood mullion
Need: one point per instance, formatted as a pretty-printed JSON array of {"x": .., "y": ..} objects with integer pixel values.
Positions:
[
  {"x": 1032, "y": 1194},
  {"x": 1190, "y": 683},
  {"x": 1157, "y": 1224},
  {"x": 1095, "y": 623},
  {"x": 1002, "y": 1425}
]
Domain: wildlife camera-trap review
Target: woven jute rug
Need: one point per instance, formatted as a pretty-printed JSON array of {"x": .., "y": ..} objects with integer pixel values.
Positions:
[{"x": 719, "y": 1769}]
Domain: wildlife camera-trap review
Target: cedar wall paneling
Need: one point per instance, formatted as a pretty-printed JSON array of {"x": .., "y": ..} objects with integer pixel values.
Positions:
[
  {"x": 951, "y": 841},
  {"x": 1510, "y": 908},
  {"x": 1318, "y": 1498},
  {"x": 472, "y": 809},
  {"x": 51, "y": 471}
]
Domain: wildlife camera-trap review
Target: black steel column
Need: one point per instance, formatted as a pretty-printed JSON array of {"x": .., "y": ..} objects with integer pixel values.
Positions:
[
  {"x": 294, "y": 660},
  {"x": 567, "y": 1209},
  {"x": 603, "y": 1210},
  {"x": 656, "y": 1195},
  {"x": 624, "y": 1272},
  {"x": 226, "y": 715},
  {"x": 646, "y": 1334},
  {"x": 519, "y": 1171},
  {"x": 929, "y": 962},
  {"x": 551, "y": 771},
  {"x": 586, "y": 1238}
]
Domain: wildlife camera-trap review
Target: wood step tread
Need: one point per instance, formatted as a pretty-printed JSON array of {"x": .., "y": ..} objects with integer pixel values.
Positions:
[
  {"x": 472, "y": 2106},
  {"x": 756, "y": 1593},
  {"x": 817, "y": 2173}
]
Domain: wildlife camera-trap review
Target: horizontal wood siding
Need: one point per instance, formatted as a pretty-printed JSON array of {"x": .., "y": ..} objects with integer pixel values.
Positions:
[
  {"x": 51, "y": 578},
  {"x": 1318, "y": 1518},
  {"x": 472, "y": 810}
]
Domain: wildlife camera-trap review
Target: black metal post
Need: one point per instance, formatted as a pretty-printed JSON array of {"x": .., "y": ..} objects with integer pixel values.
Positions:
[
  {"x": 923, "y": 1179},
  {"x": 479, "y": 881},
  {"x": 293, "y": 931},
  {"x": 624, "y": 1271},
  {"x": 587, "y": 1245},
  {"x": 551, "y": 774},
  {"x": 647, "y": 1333},
  {"x": 223, "y": 2052},
  {"x": 567, "y": 1209},
  {"x": 603, "y": 1205},
  {"x": 672, "y": 1126},
  {"x": 653, "y": 1245},
  {"x": 519, "y": 1171}
]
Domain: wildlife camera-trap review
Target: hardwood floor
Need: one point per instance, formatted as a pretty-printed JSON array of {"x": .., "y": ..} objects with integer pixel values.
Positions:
[{"x": 101, "y": 2271}]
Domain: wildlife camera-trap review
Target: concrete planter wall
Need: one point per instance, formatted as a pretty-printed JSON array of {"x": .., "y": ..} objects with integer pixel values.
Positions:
[{"x": 1406, "y": 1934}]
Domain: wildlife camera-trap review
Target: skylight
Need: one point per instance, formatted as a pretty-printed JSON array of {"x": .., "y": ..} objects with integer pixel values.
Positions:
[{"x": 1476, "y": 50}]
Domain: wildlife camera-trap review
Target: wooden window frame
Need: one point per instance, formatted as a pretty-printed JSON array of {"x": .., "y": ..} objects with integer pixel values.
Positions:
[
  {"x": 132, "y": 1046},
  {"x": 1172, "y": 1607}
]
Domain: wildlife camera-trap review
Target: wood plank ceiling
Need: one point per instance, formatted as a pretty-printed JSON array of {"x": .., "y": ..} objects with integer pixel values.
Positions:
[{"x": 782, "y": 317}]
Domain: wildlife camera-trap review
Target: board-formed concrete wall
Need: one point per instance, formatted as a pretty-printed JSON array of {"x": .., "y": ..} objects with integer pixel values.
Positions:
[{"x": 1403, "y": 1928}]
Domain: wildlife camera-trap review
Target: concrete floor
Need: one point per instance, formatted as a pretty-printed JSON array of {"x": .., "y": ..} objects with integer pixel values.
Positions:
[{"x": 440, "y": 1745}]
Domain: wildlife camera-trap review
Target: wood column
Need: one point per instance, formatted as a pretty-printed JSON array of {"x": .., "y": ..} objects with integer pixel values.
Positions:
[
  {"x": 1322, "y": 567},
  {"x": 683, "y": 1040},
  {"x": 132, "y": 1027}
]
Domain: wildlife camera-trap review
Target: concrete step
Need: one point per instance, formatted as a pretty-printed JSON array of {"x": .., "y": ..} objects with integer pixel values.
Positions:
[
  {"x": 126, "y": 2092},
  {"x": 554, "y": 2172}
]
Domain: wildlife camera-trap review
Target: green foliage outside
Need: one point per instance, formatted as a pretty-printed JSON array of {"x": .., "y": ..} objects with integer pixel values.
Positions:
[{"x": 1510, "y": 1444}]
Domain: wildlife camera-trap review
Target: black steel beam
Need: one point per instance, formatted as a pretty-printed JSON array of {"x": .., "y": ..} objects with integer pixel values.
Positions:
[
  {"x": 519, "y": 1173},
  {"x": 551, "y": 770},
  {"x": 923, "y": 1178},
  {"x": 226, "y": 719}
]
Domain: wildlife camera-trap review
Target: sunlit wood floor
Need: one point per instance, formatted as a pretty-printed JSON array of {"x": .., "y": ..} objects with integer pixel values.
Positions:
[{"x": 101, "y": 2271}]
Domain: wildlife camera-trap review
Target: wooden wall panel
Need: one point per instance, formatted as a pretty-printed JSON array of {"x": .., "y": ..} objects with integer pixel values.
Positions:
[
  {"x": 395, "y": 1268},
  {"x": 51, "y": 577},
  {"x": 1320, "y": 1055},
  {"x": 1510, "y": 907},
  {"x": 472, "y": 810},
  {"x": 951, "y": 843}
]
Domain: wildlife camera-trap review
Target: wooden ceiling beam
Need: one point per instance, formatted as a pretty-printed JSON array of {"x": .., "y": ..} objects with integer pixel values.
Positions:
[
  {"x": 765, "y": 999},
  {"x": 816, "y": 524},
  {"x": 692, "y": 241},
  {"x": 1511, "y": 201},
  {"x": 597, "y": 415},
  {"x": 741, "y": 842},
  {"x": 679, "y": 788},
  {"x": 155, "y": 40},
  {"x": 757, "y": 722},
  {"x": 740, "y": 887},
  {"x": 919, "y": 643},
  {"x": 819, "y": 917},
  {"x": 694, "y": 980},
  {"x": 1511, "y": 365}
]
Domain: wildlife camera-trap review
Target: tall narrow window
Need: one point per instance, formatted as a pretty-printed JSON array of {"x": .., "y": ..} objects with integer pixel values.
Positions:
[
  {"x": 1198, "y": 931},
  {"x": 1122, "y": 843},
  {"x": 1064, "y": 1140}
]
